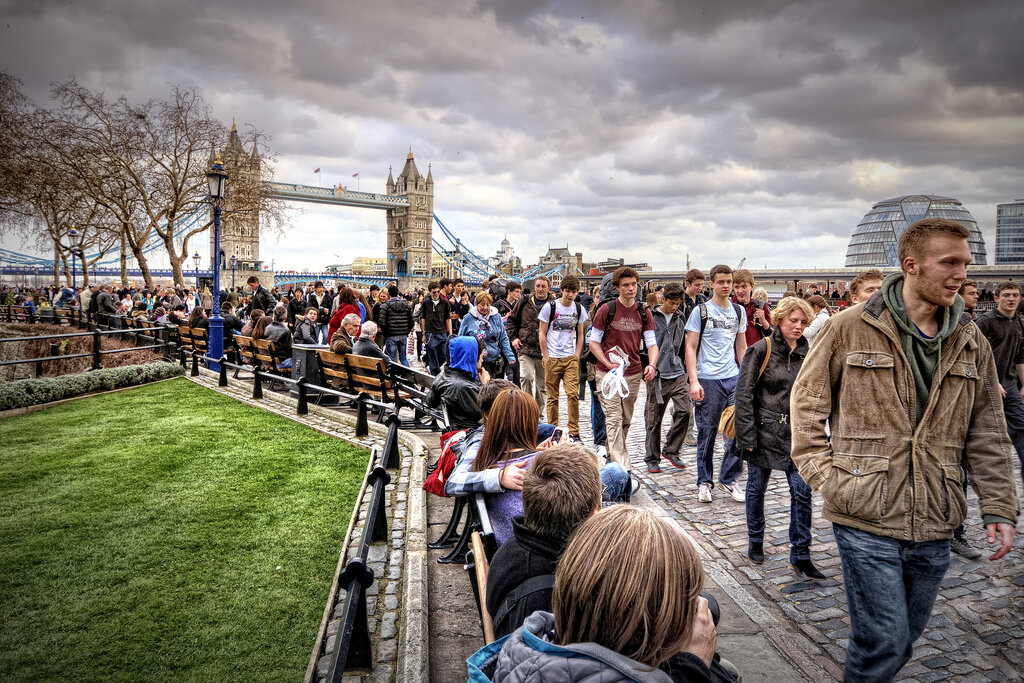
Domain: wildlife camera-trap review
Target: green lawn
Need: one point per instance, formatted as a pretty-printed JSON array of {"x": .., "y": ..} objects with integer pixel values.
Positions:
[{"x": 167, "y": 532}]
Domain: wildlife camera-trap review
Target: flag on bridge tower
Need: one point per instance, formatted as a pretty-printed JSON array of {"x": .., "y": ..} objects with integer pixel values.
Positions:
[
  {"x": 356, "y": 176},
  {"x": 317, "y": 170}
]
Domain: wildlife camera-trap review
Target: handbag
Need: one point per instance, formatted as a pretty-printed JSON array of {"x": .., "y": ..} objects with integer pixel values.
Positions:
[{"x": 727, "y": 423}]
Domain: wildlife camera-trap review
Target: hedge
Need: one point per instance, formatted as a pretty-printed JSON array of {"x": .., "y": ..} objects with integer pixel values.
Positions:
[{"x": 30, "y": 392}]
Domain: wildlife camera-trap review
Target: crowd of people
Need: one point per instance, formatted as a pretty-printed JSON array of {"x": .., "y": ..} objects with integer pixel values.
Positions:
[{"x": 887, "y": 398}]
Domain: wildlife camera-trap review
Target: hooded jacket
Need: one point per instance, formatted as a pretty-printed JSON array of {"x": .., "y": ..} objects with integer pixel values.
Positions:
[
  {"x": 491, "y": 330},
  {"x": 884, "y": 471},
  {"x": 458, "y": 385}
]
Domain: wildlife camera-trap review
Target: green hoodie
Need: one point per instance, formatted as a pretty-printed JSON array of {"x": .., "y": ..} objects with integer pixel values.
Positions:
[{"x": 923, "y": 354}]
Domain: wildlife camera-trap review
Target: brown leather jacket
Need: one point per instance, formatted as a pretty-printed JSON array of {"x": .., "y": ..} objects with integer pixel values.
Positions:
[{"x": 878, "y": 472}]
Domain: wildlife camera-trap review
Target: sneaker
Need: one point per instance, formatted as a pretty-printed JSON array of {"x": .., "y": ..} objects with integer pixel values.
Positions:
[
  {"x": 733, "y": 490},
  {"x": 602, "y": 452},
  {"x": 575, "y": 438},
  {"x": 634, "y": 485},
  {"x": 690, "y": 440},
  {"x": 704, "y": 492},
  {"x": 676, "y": 461},
  {"x": 963, "y": 549},
  {"x": 653, "y": 467}
]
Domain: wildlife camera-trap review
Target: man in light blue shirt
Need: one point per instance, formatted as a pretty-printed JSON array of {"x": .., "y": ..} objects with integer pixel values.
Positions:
[{"x": 714, "y": 351}]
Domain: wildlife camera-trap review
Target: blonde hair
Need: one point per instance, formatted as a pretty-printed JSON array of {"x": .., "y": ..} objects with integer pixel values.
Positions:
[
  {"x": 628, "y": 581},
  {"x": 484, "y": 298},
  {"x": 760, "y": 293},
  {"x": 789, "y": 304}
]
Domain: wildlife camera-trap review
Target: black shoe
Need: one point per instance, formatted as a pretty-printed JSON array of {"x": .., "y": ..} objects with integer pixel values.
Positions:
[
  {"x": 653, "y": 467},
  {"x": 963, "y": 549},
  {"x": 676, "y": 461},
  {"x": 756, "y": 552},
  {"x": 807, "y": 568}
]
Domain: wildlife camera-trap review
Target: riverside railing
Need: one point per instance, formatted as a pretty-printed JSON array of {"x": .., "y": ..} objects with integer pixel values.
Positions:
[{"x": 96, "y": 353}]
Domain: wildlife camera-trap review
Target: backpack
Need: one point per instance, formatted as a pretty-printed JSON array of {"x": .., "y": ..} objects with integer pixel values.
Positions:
[
  {"x": 579, "y": 314},
  {"x": 435, "y": 481},
  {"x": 727, "y": 423},
  {"x": 704, "y": 319},
  {"x": 641, "y": 309}
]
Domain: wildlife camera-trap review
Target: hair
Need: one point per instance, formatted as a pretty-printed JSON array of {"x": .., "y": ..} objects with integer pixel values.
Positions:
[
  {"x": 368, "y": 330},
  {"x": 159, "y": 311},
  {"x": 458, "y": 281},
  {"x": 350, "y": 319},
  {"x": 374, "y": 288},
  {"x": 571, "y": 282},
  {"x": 652, "y": 300},
  {"x": 280, "y": 314},
  {"x": 197, "y": 314},
  {"x": 255, "y": 314},
  {"x": 512, "y": 286},
  {"x": 866, "y": 276},
  {"x": 259, "y": 328},
  {"x": 1008, "y": 284},
  {"x": 561, "y": 490},
  {"x": 720, "y": 269},
  {"x": 789, "y": 293},
  {"x": 818, "y": 301},
  {"x": 741, "y": 276},
  {"x": 912, "y": 242},
  {"x": 628, "y": 581},
  {"x": 392, "y": 290},
  {"x": 673, "y": 291},
  {"x": 252, "y": 279},
  {"x": 625, "y": 271},
  {"x": 787, "y": 305},
  {"x": 366, "y": 305},
  {"x": 347, "y": 296},
  {"x": 444, "y": 282},
  {"x": 318, "y": 283},
  {"x": 539, "y": 278},
  {"x": 965, "y": 284},
  {"x": 484, "y": 298},
  {"x": 511, "y": 424},
  {"x": 489, "y": 392},
  {"x": 761, "y": 294}
]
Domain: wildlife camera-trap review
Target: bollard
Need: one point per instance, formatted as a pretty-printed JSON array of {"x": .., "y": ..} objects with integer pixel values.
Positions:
[
  {"x": 222, "y": 380},
  {"x": 257, "y": 384},
  {"x": 181, "y": 357},
  {"x": 353, "y": 648},
  {"x": 362, "y": 425},
  {"x": 303, "y": 406},
  {"x": 390, "y": 457},
  {"x": 97, "y": 359},
  {"x": 377, "y": 513},
  {"x": 195, "y": 364}
]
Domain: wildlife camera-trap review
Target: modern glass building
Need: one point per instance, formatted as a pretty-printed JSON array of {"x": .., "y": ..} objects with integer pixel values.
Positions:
[
  {"x": 874, "y": 241},
  {"x": 1010, "y": 232}
]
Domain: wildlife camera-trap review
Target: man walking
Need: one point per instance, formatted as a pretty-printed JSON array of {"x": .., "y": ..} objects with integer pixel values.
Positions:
[
  {"x": 621, "y": 328},
  {"x": 969, "y": 293},
  {"x": 320, "y": 300},
  {"x": 864, "y": 285},
  {"x": 523, "y": 330},
  {"x": 437, "y": 327},
  {"x": 715, "y": 343},
  {"x": 396, "y": 324},
  {"x": 758, "y": 314},
  {"x": 906, "y": 385},
  {"x": 563, "y": 326},
  {"x": 670, "y": 383},
  {"x": 261, "y": 298}
]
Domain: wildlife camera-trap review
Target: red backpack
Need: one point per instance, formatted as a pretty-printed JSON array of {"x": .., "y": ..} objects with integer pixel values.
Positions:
[{"x": 436, "y": 480}]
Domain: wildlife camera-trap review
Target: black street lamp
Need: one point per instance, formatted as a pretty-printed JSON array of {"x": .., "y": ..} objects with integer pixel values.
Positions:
[
  {"x": 234, "y": 260},
  {"x": 217, "y": 179},
  {"x": 76, "y": 248},
  {"x": 196, "y": 258}
]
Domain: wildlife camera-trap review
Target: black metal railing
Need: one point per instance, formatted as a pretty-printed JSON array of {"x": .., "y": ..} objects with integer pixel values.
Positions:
[{"x": 97, "y": 351}]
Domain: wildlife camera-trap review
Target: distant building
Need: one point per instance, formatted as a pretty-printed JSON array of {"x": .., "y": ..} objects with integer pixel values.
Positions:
[
  {"x": 369, "y": 265},
  {"x": 874, "y": 241},
  {"x": 612, "y": 264},
  {"x": 561, "y": 256},
  {"x": 1010, "y": 232},
  {"x": 506, "y": 260},
  {"x": 239, "y": 232}
]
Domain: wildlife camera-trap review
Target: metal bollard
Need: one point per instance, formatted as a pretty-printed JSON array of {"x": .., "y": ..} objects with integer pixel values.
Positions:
[
  {"x": 303, "y": 406},
  {"x": 390, "y": 457},
  {"x": 195, "y": 364},
  {"x": 257, "y": 384},
  {"x": 181, "y": 357},
  {"x": 362, "y": 424},
  {"x": 97, "y": 359},
  {"x": 222, "y": 380}
]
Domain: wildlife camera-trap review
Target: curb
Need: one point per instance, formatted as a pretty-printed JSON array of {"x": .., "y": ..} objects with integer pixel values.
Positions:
[{"x": 413, "y": 662}]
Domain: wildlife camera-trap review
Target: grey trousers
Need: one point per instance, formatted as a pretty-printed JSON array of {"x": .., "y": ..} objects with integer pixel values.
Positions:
[
  {"x": 676, "y": 390},
  {"x": 532, "y": 379}
]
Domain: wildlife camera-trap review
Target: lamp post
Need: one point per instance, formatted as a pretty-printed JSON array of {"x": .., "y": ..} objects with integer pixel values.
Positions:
[
  {"x": 76, "y": 245},
  {"x": 217, "y": 179},
  {"x": 234, "y": 260},
  {"x": 196, "y": 258}
]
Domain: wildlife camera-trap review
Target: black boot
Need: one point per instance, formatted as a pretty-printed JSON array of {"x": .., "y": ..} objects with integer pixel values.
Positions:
[
  {"x": 807, "y": 568},
  {"x": 756, "y": 552}
]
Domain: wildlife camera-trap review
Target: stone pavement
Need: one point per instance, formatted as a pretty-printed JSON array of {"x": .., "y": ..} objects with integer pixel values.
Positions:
[{"x": 976, "y": 632}]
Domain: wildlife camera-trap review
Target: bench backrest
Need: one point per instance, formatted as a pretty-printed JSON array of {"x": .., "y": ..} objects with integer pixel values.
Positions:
[
  {"x": 333, "y": 367},
  {"x": 263, "y": 350},
  {"x": 367, "y": 374},
  {"x": 199, "y": 338},
  {"x": 185, "y": 335}
]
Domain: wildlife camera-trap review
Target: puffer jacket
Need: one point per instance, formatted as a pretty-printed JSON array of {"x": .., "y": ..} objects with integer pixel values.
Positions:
[
  {"x": 529, "y": 655},
  {"x": 492, "y": 332},
  {"x": 762, "y": 405},
  {"x": 522, "y": 324},
  {"x": 878, "y": 472},
  {"x": 396, "y": 317}
]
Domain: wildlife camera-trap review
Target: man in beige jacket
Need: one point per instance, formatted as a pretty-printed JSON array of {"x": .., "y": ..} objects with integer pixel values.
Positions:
[{"x": 908, "y": 386}]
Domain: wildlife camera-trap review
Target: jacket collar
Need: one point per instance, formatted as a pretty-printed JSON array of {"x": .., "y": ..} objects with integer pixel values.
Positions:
[{"x": 531, "y": 540}]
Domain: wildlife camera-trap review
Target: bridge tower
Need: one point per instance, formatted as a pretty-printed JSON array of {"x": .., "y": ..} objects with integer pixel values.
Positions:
[
  {"x": 410, "y": 229},
  {"x": 239, "y": 232}
]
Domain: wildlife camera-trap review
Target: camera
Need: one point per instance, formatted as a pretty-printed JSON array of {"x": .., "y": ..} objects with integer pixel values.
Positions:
[{"x": 716, "y": 613}]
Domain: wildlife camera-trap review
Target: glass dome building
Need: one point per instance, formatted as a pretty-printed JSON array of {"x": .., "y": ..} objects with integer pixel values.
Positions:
[{"x": 874, "y": 241}]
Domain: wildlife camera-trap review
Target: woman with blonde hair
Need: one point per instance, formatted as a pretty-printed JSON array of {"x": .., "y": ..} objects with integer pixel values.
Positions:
[
  {"x": 626, "y": 607},
  {"x": 763, "y": 434},
  {"x": 485, "y": 324}
]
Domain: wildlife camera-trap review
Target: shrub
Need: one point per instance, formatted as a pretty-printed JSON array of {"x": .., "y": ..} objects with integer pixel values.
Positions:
[{"x": 30, "y": 392}]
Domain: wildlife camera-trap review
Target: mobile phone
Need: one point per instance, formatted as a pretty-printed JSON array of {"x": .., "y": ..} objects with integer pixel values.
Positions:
[{"x": 556, "y": 436}]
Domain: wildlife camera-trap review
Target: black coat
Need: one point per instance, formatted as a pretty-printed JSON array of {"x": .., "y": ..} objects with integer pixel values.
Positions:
[
  {"x": 395, "y": 317},
  {"x": 325, "y": 306},
  {"x": 262, "y": 300},
  {"x": 526, "y": 555},
  {"x": 305, "y": 332},
  {"x": 762, "y": 405},
  {"x": 282, "y": 338},
  {"x": 458, "y": 390}
]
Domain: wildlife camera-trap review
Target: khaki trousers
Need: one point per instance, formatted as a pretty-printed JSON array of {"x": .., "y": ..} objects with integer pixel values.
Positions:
[
  {"x": 532, "y": 378},
  {"x": 618, "y": 413},
  {"x": 567, "y": 371}
]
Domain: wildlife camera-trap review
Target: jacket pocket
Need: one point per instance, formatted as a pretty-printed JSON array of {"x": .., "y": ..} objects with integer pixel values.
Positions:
[
  {"x": 872, "y": 360},
  {"x": 858, "y": 486},
  {"x": 951, "y": 495}
]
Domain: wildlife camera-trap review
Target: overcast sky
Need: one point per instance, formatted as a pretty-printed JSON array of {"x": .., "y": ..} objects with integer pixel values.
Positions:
[{"x": 646, "y": 130}]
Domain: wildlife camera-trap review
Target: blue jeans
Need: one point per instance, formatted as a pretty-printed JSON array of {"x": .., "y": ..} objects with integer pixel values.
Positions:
[
  {"x": 321, "y": 334},
  {"x": 394, "y": 348},
  {"x": 597, "y": 417},
  {"x": 617, "y": 487},
  {"x": 718, "y": 394},
  {"x": 799, "y": 510},
  {"x": 436, "y": 345},
  {"x": 891, "y": 586}
]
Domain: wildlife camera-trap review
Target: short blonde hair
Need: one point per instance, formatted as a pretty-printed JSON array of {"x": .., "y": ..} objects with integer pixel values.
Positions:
[
  {"x": 484, "y": 298},
  {"x": 760, "y": 293},
  {"x": 628, "y": 581},
  {"x": 787, "y": 305}
]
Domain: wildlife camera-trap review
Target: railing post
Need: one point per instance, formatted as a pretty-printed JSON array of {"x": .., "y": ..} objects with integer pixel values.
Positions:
[
  {"x": 353, "y": 649},
  {"x": 377, "y": 514},
  {"x": 181, "y": 357},
  {"x": 303, "y": 406},
  {"x": 390, "y": 457},
  {"x": 39, "y": 367},
  {"x": 362, "y": 425},
  {"x": 32, "y": 315},
  {"x": 97, "y": 359},
  {"x": 257, "y": 384},
  {"x": 222, "y": 380},
  {"x": 195, "y": 364}
]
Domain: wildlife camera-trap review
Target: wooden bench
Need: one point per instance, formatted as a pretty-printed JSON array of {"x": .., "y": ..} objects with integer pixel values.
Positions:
[
  {"x": 185, "y": 337},
  {"x": 244, "y": 351},
  {"x": 482, "y": 546},
  {"x": 200, "y": 339},
  {"x": 332, "y": 367},
  {"x": 267, "y": 357}
]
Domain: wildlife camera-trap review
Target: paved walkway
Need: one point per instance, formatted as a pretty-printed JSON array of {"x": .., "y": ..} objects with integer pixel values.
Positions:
[{"x": 976, "y": 632}]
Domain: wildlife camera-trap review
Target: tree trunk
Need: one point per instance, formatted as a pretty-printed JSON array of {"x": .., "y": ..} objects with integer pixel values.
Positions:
[
  {"x": 85, "y": 274},
  {"x": 124, "y": 261},
  {"x": 56, "y": 266}
]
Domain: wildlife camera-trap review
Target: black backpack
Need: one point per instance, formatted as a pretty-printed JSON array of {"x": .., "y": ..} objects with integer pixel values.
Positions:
[
  {"x": 579, "y": 314},
  {"x": 704, "y": 319},
  {"x": 641, "y": 308}
]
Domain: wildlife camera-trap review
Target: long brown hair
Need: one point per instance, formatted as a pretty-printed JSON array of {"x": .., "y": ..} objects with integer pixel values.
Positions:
[
  {"x": 511, "y": 424},
  {"x": 628, "y": 581},
  {"x": 259, "y": 330}
]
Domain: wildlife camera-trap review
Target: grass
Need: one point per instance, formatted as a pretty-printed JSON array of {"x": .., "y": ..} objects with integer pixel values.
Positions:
[{"x": 167, "y": 532}]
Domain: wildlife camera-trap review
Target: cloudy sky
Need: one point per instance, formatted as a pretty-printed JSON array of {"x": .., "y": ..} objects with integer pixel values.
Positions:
[{"x": 649, "y": 130}]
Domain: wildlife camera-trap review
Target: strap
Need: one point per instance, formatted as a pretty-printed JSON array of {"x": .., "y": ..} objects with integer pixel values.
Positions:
[
  {"x": 767, "y": 355},
  {"x": 703, "y": 323},
  {"x": 534, "y": 584}
]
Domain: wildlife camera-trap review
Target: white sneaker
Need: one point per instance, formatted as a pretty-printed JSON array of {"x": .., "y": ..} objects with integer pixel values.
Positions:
[
  {"x": 602, "y": 452},
  {"x": 704, "y": 492},
  {"x": 733, "y": 490}
]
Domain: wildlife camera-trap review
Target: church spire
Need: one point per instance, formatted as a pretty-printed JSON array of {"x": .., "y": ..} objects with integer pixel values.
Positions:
[{"x": 430, "y": 176}]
